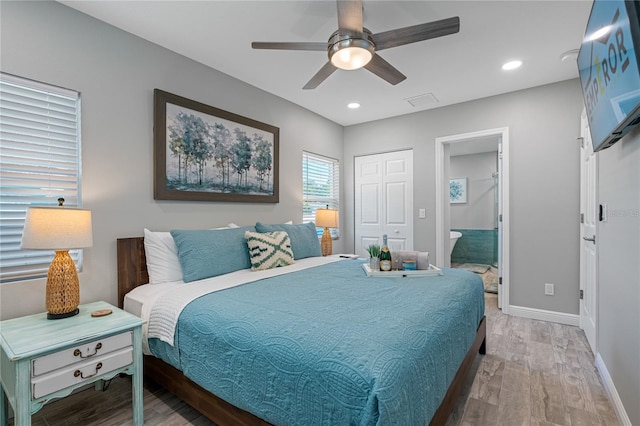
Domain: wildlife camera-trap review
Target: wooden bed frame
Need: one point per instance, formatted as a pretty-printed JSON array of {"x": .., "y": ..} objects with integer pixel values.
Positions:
[{"x": 132, "y": 272}]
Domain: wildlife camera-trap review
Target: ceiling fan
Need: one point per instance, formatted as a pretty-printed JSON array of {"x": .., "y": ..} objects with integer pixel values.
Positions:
[{"x": 353, "y": 46}]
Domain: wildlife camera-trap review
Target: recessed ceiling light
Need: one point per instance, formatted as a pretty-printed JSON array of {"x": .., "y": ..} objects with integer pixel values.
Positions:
[
  {"x": 353, "y": 105},
  {"x": 511, "y": 65}
]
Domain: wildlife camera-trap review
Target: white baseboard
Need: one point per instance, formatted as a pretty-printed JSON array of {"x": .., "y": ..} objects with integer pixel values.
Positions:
[
  {"x": 611, "y": 391},
  {"x": 543, "y": 315}
]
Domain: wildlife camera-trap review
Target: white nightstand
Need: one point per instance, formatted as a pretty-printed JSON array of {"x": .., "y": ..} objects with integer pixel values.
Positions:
[{"x": 45, "y": 359}]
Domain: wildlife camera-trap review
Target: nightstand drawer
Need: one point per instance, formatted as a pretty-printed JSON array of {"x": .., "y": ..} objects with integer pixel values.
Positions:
[
  {"x": 79, "y": 353},
  {"x": 80, "y": 372}
]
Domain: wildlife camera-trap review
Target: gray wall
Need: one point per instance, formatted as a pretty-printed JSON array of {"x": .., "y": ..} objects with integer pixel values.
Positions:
[
  {"x": 116, "y": 73},
  {"x": 479, "y": 212},
  {"x": 543, "y": 125},
  {"x": 619, "y": 269}
]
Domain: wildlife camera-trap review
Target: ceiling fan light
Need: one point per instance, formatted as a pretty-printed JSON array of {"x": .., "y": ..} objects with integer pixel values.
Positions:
[
  {"x": 350, "y": 53},
  {"x": 351, "y": 58}
]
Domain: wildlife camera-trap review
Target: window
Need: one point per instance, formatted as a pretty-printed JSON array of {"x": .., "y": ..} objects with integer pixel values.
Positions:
[
  {"x": 320, "y": 187},
  {"x": 39, "y": 162}
]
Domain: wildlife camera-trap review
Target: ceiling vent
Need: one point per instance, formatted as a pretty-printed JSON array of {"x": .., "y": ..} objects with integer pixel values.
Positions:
[{"x": 421, "y": 101}]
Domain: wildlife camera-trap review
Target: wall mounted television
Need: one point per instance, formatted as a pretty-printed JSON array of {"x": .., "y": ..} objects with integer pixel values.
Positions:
[{"x": 609, "y": 69}]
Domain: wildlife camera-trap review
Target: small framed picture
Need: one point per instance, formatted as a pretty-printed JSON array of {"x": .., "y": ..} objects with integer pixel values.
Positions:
[{"x": 458, "y": 190}]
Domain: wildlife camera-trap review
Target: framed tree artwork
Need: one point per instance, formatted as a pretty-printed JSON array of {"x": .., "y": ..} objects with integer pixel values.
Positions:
[{"x": 202, "y": 153}]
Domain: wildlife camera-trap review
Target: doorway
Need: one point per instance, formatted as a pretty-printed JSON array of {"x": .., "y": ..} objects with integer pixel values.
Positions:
[{"x": 443, "y": 146}]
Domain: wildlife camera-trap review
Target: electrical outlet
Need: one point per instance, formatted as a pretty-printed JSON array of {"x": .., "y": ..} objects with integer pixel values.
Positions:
[{"x": 549, "y": 289}]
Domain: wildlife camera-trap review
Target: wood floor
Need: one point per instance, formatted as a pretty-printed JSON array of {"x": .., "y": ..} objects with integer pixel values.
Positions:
[{"x": 534, "y": 373}]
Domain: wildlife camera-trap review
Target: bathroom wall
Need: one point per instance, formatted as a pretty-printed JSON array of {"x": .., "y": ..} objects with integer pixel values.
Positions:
[{"x": 476, "y": 219}]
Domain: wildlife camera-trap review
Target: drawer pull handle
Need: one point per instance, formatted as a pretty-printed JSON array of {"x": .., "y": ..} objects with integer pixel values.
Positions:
[
  {"x": 79, "y": 373},
  {"x": 78, "y": 353}
]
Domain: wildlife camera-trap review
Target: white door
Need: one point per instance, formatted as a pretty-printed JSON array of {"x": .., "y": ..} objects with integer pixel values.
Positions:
[
  {"x": 588, "y": 247},
  {"x": 384, "y": 200}
]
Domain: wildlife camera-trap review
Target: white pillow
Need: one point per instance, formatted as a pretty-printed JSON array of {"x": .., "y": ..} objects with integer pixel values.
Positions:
[
  {"x": 163, "y": 264},
  {"x": 229, "y": 226}
]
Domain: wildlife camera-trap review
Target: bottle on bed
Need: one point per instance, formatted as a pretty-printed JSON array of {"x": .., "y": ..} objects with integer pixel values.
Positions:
[{"x": 385, "y": 255}]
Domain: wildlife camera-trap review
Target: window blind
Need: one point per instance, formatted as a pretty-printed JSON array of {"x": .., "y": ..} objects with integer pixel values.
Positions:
[
  {"x": 320, "y": 187},
  {"x": 39, "y": 162}
]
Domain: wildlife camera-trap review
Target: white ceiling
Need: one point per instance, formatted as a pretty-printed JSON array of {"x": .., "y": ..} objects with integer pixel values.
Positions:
[{"x": 455, "y": 68}]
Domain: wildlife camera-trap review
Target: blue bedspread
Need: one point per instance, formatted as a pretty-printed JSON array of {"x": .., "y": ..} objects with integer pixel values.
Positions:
[{"x": 331, "y": 346}]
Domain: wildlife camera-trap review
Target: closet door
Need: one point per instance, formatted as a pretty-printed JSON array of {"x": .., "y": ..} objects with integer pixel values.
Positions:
[{"x": 384, "y": 200}]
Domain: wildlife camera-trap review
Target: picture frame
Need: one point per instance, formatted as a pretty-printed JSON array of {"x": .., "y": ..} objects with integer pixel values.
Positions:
[
  {"x": 203, "y": 153},
  {"x": 458, "y": 190}
]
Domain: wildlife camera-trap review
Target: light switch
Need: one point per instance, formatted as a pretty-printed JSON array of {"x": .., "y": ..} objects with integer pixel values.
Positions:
[{"x": 422, "y": 213}]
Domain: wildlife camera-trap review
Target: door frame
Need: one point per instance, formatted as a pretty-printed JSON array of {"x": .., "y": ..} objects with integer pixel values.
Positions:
[{"x": 442, "y": 199}]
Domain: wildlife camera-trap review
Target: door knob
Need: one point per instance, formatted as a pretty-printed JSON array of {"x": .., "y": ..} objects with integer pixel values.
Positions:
[{"x": 592, "y": 239}]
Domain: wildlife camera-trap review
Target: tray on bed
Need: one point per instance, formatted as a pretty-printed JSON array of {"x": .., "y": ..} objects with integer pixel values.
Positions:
[{"x": 432, "y": 271}]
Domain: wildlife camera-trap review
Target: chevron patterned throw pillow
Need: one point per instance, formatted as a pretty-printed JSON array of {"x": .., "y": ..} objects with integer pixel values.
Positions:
[{"x": 269, "y": 249}]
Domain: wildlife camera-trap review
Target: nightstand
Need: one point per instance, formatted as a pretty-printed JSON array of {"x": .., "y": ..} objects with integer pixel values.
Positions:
[{"x": 43, "y": 359}]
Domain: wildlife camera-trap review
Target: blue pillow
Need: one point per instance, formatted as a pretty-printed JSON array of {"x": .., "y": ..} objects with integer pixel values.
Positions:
[
  {"x": 304, "y": 240},
  {"x": 211, "y": 252}
]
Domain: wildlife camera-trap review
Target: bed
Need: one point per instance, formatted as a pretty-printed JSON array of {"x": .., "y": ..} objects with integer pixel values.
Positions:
[{"x": 324, "y": 344}]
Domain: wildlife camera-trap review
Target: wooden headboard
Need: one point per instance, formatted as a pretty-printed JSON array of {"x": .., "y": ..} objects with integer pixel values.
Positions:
[{"x": 132, "y": 266}]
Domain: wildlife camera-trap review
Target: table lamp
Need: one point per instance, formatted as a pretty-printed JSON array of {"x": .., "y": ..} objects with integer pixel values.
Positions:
[
  {"x": 60, "y": 229},
  {"x": 327, "y": 218}
]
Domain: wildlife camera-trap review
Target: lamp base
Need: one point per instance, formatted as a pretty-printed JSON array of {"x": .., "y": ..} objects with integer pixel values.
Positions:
[
  {"x": 51, "y": 316},
  {"x": 326, "y": 243},
  {"x": 63, "y": 289}
]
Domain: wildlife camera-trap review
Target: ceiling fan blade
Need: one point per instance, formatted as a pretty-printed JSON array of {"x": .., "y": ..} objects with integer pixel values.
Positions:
[
  {"x": 416, "y": 33},
  {"x": 350, "y": 15},
  {"x": 320, "y": 46},
  {"x": 320, "y": 76},
  {"x": 385, "y": 70}
]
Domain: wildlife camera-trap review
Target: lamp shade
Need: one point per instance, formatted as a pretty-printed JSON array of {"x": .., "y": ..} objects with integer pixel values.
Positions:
[
  {"x": 327, "y": 218},
  {"x": 57, "y": 228}
]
